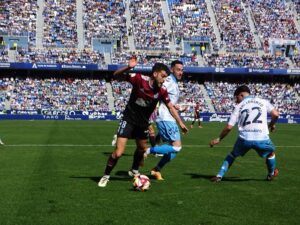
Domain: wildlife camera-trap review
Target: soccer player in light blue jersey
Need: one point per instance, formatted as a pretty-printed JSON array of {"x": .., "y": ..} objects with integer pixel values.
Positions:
[
  {"x": 166, "y": 124},
  {"x": 250, "y": 115}
]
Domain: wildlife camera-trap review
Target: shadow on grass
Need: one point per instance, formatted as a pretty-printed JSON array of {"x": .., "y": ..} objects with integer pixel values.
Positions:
[
  {"x": 225, "y": 179},
  {"x": 121, "y": 176},
  {"x": 109, "y": 153}
]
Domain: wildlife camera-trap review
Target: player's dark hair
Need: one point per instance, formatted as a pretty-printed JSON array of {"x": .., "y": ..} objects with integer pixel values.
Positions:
[
  {"x": 159, "y": 67},
  {"x": 241, "y": 89},
  {"x": 173, "y": 63}
]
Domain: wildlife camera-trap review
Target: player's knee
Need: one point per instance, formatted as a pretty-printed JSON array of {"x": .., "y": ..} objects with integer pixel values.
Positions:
[
  {"x": 117, "y": 154},
  {"x": 177, "y": 148}
]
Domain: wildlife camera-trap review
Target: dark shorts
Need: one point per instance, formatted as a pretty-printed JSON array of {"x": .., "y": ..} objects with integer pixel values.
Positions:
[{"x": 130, "y": 131}]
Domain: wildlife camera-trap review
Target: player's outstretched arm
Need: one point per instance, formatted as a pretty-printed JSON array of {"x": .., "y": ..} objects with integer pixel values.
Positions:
[
  {"x": 223, "y": 134},
  {"x": 274, "y": 118},
  {"x": 176, "y": 116},
  {"x": 131, "y": 64},
  {"x": 180, "y": 108}
]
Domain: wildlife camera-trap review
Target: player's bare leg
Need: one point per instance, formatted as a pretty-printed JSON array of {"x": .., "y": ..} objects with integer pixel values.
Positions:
[{"x": 112, "y": 160}]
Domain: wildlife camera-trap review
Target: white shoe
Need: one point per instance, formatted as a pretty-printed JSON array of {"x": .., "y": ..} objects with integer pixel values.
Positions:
[
  {"x": 159, "y": 155},
  {"x": 114, "y": 141},
  {"x": 103, "y": 181},
  {"x": 1, "y": 143},
  {"x": 133, "y": 173}
]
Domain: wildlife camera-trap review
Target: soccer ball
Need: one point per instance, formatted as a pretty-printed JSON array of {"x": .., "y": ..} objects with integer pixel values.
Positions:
[{"x": 141, "y": 183}]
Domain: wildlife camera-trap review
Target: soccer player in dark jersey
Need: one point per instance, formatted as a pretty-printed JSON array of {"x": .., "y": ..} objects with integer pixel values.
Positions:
[
  {"x": 197, "y": 115},
  {"x": 146, "y": 92}
]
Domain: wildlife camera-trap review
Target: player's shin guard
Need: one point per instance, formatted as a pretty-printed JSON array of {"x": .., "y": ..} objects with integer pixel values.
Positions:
[
  {"x": 138, "y": 158},
  {"x": 165, "y": 159},
  {"x": 111, "y": 163},
  {"x": 271, "y": 163},
  {"x": 226, "y": 164},
  {"x": 164, "y": 149}
]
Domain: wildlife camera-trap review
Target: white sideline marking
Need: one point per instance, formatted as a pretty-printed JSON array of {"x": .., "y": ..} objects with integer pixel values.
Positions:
[{"x": 72, "y": 145}]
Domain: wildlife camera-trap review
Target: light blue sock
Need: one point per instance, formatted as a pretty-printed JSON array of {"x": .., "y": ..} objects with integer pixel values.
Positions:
[
  {"x": 162, "y": 149},
  {"x": 271, "y": 164},
  {"x": 226, "y": 164},
  {"x": 165, "y": 159}
]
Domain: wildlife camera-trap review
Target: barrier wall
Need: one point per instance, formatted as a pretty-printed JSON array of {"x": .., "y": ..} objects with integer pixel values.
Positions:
[{"x": 141, "y": 68}]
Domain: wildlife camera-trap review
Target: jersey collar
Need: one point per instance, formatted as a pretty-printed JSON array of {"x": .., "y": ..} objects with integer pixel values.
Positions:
[
  {"x": 173, "y": 77},
  {"x": 247, "y": 97}
]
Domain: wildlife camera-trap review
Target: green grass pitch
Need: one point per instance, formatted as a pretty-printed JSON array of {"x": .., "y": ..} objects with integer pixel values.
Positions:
[{"x": 49, "y": 172}]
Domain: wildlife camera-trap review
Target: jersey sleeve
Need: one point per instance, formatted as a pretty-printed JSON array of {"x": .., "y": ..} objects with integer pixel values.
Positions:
[
  {"x": 269, "y": 106},
  {"x": 234, "y": 117},
  {"x": 164, "y": 95},
  {"x": 132, "y": 78}
]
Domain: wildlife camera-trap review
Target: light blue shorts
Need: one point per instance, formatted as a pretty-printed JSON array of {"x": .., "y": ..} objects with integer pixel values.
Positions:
[
  {"x": 168, "y": 131},
  {"x": 263, "y": 148}
]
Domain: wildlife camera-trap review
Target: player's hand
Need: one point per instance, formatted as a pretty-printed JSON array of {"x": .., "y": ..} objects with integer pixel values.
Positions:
[
  {"x": 214, "y": 142},
  {"x": 132, "y": 62},
  {"x": 184, "y": 128},
  {"x": 177, "y": 107},
  {"x": 272, "y": 127}
]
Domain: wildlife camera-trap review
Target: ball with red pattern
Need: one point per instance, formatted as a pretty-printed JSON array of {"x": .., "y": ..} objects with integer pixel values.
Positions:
[{"x": 141, "y": 183}]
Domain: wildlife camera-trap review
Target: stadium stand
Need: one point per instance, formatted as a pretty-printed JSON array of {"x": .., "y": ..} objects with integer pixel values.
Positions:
[
  {"x": 105, "y": 19},
  {"x": 60, "y": 24},
  {"x": 148, "y": 25},
  {"x": 55, "y": 94},
  {"x": 276, "y": 23},
  {"x": 232, "y": 22},
  {"x": 282, "y": 95},
  {"x": 60, "y": 56},
  {"x": 191, "y": 21},
  {"x": 273, "y": 19},
  {"x": 19, "y": 18},
  {"x": 244, "y": 60}
]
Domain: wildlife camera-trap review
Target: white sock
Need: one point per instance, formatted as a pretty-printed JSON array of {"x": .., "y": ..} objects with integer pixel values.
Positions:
[
  {"x": 135, "y": 171},
  {"x": 148, "y": 151}
]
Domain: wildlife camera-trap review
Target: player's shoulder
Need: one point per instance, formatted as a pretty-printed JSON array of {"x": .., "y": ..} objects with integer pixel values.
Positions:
[
  {"x": 170, "y": 83},
  {"x": 139, "y": 75}
]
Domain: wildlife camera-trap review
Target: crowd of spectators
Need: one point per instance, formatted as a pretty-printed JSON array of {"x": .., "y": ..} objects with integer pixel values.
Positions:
[
  {"x": 121, "y": 92},
  {"x": 296, "y": 61},
  {"x": 283, "y": 96},
  {"x": 60, "y": 56},
  {"x": 55, "y": 94},
  {"x": 297, "y": 7},
  {"x": 3, "y": 55},
  {"x": 148, "y": 25},
  {"x": 91, "y": 94},
  {"x": 60, "y": 28},
  {"x": 105, "y": 19},
  {"x": 145, "y": 59},
  {"x": 273, "y": 19},
  {"x": 19, "y": 18},
  {"x": 190, "y": 94},
  {"x": 245, "y": 60},
  {"x": 233, "y": 25},
  {"x": 190, "y": 20}
]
